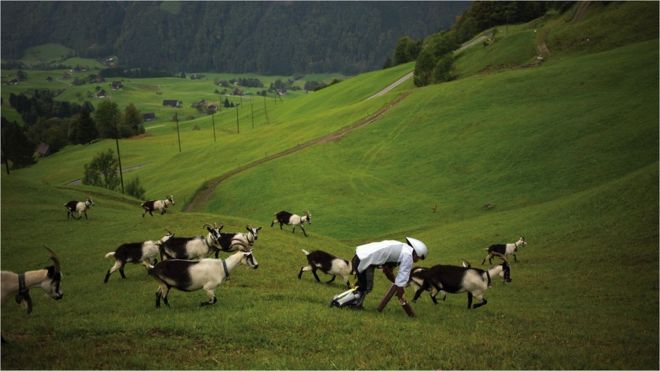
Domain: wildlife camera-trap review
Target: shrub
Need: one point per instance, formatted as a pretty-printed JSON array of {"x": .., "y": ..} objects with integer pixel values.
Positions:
[
  {"x": 102, "y": 171},
  {"x": 135, "y": 189},
  {"x": 442, "y": 70}
]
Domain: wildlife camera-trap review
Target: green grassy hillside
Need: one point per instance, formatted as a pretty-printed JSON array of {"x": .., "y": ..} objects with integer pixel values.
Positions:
[
  {"x": 513, "y": 139},
  {"x": 564, "y": 153}
]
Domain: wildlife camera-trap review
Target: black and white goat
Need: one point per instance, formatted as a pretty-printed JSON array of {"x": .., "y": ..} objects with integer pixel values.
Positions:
[
  {"x": 455, "y": 279},
  {"x": 192, "y": 247},
  {"x": 504, "y": 249},
  {"x": 157, "y": 205},
  {"x": 192, "y": 275},
  {"x": 135, "y": 252},
  {"x": 18, "y": 285},
  {"x": 78, "y": 207},
  {"x": 285, "y": 217},
  {"x": 231, "y": 242},
  {"x": 328, "y": 264}
]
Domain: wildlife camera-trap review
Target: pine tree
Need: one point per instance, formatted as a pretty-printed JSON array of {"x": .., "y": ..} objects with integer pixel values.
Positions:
[
  {"x": 107, "y": 117},
  {"x": 16, "y": 147}
]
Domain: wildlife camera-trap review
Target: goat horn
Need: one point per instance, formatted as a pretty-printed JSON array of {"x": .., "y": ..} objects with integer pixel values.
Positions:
[
  {"x": 207, "y": 225},
  {"x": 168, "y": 231},
  {"x": 54, "y": 258}
]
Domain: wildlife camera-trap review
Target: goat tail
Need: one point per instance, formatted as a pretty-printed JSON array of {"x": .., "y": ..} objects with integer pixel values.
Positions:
[
  {"x": 305, "y": 251},
  {"x": 108, "y": 255}
]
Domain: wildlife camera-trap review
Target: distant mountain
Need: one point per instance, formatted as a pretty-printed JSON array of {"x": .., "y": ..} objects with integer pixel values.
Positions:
[{"x": 264, "y": 37}]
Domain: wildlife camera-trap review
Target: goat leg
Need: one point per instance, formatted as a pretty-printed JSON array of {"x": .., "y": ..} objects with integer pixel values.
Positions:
[
  {"x": 332, "y": 279},
  {"x": 418, "y": 293},
  {"x": 210, "y": 302},
  {"x": 484, "y": 302}
]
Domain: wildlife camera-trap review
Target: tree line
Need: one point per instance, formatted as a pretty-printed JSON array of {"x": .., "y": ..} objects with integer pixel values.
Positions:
[
  {"x": 262, "y": 37},
  {"x": 58, "y": 124}
]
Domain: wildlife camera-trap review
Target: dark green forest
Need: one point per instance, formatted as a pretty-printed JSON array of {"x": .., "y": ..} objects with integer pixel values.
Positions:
[{"x": 261, "y": 37}]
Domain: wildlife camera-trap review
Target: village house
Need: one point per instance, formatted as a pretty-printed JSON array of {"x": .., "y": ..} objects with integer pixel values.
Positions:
[{"x": 172, "y": 103}]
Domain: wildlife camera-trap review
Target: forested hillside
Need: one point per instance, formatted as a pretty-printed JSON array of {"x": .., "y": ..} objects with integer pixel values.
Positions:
[{"x": 262, "y": 37}]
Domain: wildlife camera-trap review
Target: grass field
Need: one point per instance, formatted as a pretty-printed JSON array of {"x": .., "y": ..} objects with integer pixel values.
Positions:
[{"x": 566, "y": 152}]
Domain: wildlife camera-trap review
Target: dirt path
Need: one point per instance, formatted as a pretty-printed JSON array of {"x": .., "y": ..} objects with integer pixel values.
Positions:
[{"x": 202, "y": 196}]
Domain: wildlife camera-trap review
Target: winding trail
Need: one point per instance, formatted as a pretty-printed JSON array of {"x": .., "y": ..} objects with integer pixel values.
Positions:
[{"x": 203, "y": 194}]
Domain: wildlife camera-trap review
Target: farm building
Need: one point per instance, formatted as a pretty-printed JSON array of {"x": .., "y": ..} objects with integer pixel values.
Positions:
[
  {"x": 116, "y": 85},
  {"x": 42, "y": 150},
  {"x": 149, "y": 116},
  {"x": 172, "y": 103}
]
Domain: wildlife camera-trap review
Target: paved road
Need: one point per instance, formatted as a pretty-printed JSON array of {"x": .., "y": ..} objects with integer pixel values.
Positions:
[{"x": 398, "y": 82}]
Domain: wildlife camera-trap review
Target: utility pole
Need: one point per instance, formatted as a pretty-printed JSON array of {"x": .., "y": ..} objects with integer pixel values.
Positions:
[
  {"x": 213, "y": 123},
  {"x": 266, "y": 110},
  {"x": 252, "y": 110},
  {"x": 121, "y": 173},
  {"x": 6, "y": 160},
  {"x": 176, "y": 118},
  {"x": 238, "y": 126}
]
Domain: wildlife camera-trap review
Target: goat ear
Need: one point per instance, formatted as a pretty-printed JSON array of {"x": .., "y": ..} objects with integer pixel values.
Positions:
[{"x": 259, "y": 228}]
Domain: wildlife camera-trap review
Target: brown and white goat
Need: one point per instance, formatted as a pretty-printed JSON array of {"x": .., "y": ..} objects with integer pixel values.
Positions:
[
  {"x": 78, "y": 207},
  {"x": 328, "y": 264},
  {"x": 285, "y": 217},
  {"x": 192, "y": 275},
  {"x": 232, "y": 242},
  {"x": 157, "y": 205},
  {"x": 455, "y": 279},
  {"x": 135, "y": 252},
  {"x": 504, "y": 249}
]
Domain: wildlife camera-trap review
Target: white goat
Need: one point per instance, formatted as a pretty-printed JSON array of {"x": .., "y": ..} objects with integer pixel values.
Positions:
[
  {"x": 285, "y": 217},
  {"x": 328, "y": 264},
  {"x": 79, "y": 207},
  {"x": 504, "y": 249},
  {"x": 135, "y": 252},
  {"x": 192, "y": 275},
  {"x": 48, "y": 278},
  {"x": 157, "y": 205}
]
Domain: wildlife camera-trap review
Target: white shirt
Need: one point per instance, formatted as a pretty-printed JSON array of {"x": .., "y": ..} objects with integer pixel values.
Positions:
[{"x": 388, "y": 251}]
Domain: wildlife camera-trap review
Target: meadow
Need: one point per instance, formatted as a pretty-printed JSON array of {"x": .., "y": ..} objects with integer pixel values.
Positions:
[{"x": 564, "y": 153}]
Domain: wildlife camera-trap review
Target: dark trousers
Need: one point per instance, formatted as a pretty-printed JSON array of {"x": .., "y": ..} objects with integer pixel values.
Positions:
[{"x": 365, "y": 279}]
